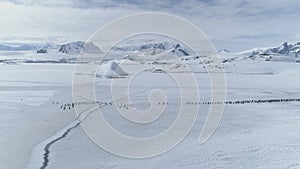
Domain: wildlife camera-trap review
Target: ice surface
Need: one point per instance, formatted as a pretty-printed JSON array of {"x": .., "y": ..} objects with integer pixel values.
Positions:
[{"x": 249, "y": 136}]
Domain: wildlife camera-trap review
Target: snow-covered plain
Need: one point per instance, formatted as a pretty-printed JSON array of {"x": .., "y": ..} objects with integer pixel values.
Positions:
[{"x": 249, "y": 136}]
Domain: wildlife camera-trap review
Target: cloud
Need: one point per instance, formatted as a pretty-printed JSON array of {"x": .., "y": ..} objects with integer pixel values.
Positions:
[
  {"x": 38, "y": 20},
  {"x": 235, "y": 24}
]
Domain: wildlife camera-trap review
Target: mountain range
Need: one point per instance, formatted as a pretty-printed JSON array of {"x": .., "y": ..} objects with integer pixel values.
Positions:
[
  {"x": 72, "y": 48},
  {"x": 150, "y": 49},
  {"x": 285, "y": 49}
]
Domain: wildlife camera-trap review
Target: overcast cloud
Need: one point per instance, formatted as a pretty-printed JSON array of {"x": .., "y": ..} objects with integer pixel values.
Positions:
[{"x": 233, "y": 25}]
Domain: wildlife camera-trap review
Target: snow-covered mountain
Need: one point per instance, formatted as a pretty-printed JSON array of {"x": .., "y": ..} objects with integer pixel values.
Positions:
[
  {"x": 286, "y": 52},
  {"x": 71, "y": 48},
  {"x": 285, "y": 49},
  {"x": 143, "y": 50},
  {"x": 20, "y": 47},
  {"x": 28, "y": 47},
  {"x": 145, "y": 47},
  {"x": 151, "y": 50},
  {"x": 160, "y": 47},
  {"x": 156, "y": 47},
  {"x": 79, "y": 46},
  {"x": 223, "y": 51}
]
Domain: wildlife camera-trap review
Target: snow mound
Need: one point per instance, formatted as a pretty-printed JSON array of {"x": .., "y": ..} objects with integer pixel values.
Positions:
[{"x": 111, "y": 70}]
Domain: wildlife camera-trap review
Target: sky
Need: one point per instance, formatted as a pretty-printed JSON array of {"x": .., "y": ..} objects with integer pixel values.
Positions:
[{"x": 234, "y": 25}]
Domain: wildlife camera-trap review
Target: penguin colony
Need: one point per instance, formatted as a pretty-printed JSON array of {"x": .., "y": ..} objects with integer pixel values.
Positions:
[{"x": 69, "y": 106}]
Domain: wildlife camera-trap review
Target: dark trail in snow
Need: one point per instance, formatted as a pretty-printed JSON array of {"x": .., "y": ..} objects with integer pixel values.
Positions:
[
  {"x": 47, "y": 147},
  {"x": 67, "y": 131}
]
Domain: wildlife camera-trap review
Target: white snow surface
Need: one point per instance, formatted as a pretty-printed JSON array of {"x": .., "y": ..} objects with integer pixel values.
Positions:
[{"x": 249, "y": 136}]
